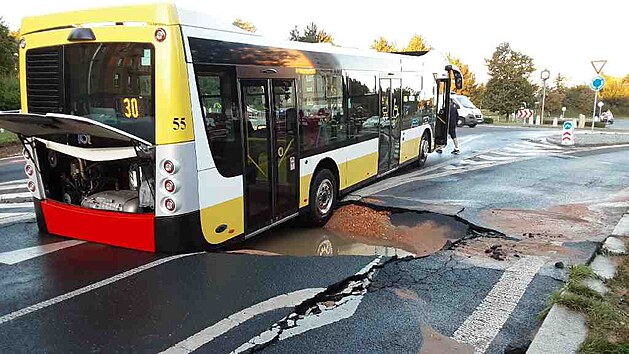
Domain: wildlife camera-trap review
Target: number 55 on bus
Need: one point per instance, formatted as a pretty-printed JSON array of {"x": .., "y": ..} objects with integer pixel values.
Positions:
[{"x": 146, "y": 127}]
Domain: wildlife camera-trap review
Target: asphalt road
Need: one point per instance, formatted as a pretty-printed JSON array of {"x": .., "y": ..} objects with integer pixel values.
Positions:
[{"x": 89, "y": 297}]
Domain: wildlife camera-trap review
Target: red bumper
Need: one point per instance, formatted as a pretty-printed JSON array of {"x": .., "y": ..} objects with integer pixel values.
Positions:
[{"x": 135, "y": 231}]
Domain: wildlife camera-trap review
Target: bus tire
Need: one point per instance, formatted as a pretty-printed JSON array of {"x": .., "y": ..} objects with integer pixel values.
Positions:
[
  {"x": 424, "y": 149},
  {"x": 323, "y": 193}
]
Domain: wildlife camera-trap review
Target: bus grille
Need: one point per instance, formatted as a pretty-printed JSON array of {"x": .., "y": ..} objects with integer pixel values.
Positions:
[{"x": 44, "y": 80}]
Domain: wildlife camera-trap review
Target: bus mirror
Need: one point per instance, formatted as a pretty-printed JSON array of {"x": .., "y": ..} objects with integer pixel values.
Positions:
[{"x": 458, "y": 80}]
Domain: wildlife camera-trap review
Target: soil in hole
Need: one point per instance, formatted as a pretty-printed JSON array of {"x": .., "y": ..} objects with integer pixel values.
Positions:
[{"x": 359, "y": 230}]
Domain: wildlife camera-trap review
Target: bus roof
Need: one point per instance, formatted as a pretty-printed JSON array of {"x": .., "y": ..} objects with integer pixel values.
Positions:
[{"x": 155, "y": 14}]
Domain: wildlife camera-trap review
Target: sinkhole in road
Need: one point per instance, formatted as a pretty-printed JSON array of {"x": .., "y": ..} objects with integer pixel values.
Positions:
[{"x": 363, "y": 231}]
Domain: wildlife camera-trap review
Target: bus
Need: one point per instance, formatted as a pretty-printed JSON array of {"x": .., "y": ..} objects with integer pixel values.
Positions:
[{"x": 158, "y": 129}]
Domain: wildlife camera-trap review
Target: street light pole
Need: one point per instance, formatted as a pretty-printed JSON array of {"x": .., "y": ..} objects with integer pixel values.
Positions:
[
  {"x": 594, "y": 110},
  {"x": 544, "y": 76}
]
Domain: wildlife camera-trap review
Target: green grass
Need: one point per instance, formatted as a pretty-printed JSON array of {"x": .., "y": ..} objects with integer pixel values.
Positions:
[
  {"x": 607, "y": 316},
  {"x": 8, "y": 137}
]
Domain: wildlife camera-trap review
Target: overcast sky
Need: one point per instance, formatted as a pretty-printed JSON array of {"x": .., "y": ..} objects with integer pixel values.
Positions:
[{"x": 563, "y": 36}]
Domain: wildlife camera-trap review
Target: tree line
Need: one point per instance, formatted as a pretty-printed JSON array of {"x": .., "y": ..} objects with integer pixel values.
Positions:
[{"x": 9, "y": 83}]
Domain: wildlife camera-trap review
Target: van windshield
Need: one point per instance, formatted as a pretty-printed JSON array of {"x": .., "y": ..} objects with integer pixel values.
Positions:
[{"x": 465, "y": 102}]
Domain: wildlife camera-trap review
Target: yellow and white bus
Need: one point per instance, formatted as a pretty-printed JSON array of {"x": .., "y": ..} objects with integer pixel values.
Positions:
[{"x": 157, "y": 129}]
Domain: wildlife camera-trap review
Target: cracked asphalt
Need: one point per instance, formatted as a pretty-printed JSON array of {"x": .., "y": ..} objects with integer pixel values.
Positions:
[{"x": 93, "y": 297}]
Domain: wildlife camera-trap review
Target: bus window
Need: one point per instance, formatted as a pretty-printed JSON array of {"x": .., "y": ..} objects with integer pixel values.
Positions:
[
  {"x": 321, "y": 113},
  {"x": 411, "y": 90},
  {"x": 363, "y": 116},
  {"x": 218, "y": 96}
]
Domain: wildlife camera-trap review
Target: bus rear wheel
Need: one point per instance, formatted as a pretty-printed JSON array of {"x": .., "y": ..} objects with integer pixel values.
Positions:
[
  {"x": 424, "y": 148},
  {"x": 323, "y": 193}
]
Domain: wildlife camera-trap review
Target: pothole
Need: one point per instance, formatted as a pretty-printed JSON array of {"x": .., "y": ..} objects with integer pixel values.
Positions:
[{"x": 364, "y": 231}]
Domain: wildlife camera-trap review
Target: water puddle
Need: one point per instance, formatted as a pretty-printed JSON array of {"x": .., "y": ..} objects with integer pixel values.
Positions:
[{"x": 361, "y": 231}]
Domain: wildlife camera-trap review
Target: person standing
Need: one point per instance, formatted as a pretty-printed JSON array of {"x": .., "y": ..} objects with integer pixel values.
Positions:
[{"x": 454, "y": 117}]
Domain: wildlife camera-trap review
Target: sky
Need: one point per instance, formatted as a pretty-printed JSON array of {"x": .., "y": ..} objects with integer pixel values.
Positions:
[{"x": 561, "y": 36}]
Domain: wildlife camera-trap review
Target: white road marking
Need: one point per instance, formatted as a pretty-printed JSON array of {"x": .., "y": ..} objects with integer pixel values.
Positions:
[
  {"x": 482, "y": 326},
  {"x": 221, "y": 327},
  {"x": 55, "y": 300},
  {"x": 13, "y": 186},
  {"x": 16, "y": 205},
  {"x": 472, "y": 162},
  {"x": 344, "y": 308},
  {"x": 21, "y": 255},
  {"x": 5, "y": 221},
  {"x": 17, "y": 181},
  {"x": 15, "y": 195},
  {"x": 496, "y": 158},
  {"x": 11, "y": 214},
  {"x": 541, "y": 145}
]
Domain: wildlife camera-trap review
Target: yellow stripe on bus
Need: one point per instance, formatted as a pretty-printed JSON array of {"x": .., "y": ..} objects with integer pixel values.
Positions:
[
  {"x": 229, "y": 213},
  {"x": 351, "y": 173},
  {"x": 409, "y": 150}
]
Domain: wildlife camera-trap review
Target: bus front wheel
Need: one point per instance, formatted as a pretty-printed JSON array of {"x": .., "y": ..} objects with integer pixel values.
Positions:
[
  {"x": 424, "y": 149},
  {"x": 323, "y": 193}
]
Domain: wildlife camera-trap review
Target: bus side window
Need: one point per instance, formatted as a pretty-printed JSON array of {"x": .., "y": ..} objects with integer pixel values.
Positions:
[
  {"x": 321, "y": 114},
  {"x": 362, "y": 104},
  {"x": 411, "y": 105},
  {"x": 219, "y": 101}
]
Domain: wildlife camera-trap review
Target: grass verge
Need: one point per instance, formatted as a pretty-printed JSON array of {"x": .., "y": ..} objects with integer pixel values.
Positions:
[{"x": 607, "y": 315}]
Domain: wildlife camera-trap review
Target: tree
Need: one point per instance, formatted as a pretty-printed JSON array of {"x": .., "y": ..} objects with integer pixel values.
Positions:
[
  {"x": 508, "y": 85},
  {"x": 615, "y": 94},
  {"x": 417, "y": 44},
  {"x": 579, "y": 99},
  {"x": 560, "y": 83},
  {"x": 8, "y": 50},
  {"x": 245, "y": 25},
  {"x": 311, "y": 34},
  {"x": 383, "y": 45}
]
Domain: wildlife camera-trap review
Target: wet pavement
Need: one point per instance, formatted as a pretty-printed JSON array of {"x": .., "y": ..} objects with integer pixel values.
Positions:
[
  {"x": 458, "y": 257},
  {"x": 361, "y": 231}
]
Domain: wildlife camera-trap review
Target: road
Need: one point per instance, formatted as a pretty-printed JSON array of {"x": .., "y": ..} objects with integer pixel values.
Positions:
[{"x": 64, "y": 297}]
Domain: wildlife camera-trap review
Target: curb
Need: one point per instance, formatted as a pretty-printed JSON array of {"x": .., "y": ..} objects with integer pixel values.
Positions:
[{"x": 564, "y": 330}]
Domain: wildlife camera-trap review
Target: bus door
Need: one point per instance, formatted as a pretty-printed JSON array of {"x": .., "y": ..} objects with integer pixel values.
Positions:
[
  {"x": 442, "y": 113},
  {"x": 390, "y": 124},
  {"x": 272, "y": 169}
]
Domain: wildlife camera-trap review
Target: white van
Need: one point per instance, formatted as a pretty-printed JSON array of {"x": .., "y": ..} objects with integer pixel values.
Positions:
[{"x": 469, "y": 114}]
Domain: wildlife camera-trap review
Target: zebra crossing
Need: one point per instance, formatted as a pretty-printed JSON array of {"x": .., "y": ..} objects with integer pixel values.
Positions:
[
  {"x": 16, "y": 202},
  {"x": 524, "y": 149}
]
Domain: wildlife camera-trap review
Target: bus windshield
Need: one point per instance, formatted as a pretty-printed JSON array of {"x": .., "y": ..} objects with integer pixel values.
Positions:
[{"x": 111, "y": 83}]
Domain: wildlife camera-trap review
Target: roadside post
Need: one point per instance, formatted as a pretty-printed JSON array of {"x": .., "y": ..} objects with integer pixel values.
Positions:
[
  {"x": 597, "y": 83},
  {"x": 555, "y": 120},
  {"x": 544, "y": 76},
  {"x": 567, "y": 134}
]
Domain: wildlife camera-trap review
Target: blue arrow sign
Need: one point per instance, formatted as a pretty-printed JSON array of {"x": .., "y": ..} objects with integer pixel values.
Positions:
[
  {"x": 597, "y": 83},
  {"x": 567, "y": 125}
]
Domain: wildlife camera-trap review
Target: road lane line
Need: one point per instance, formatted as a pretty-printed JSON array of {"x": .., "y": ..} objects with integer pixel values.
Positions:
[
  {"x": 223, "y": 326},
  {"x": 482, "y": 326},
  {"x": 24, "y": 217},
  {"x": 345, "y": 308},
  {"x": 17, "y": 181},
  {"x": 207, "y": 335},
  {"x": 542, "y": 145},
  {"x": 15, "y": 195},
  {"x": 55, "y": 300},
  {"x": 30, "y": 205},
  {"x": 496, "y": 158},
  {"x": 21, "y": 255},
  {"x": 13, "y": 186}
]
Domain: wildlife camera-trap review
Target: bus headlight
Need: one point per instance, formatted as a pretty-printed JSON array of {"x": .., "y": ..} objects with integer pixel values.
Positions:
[
  {"x": 169, "y": 167},
  {"x": 28, "y": 169},
  {"x": 31, "y": 186},
  {"x": 160, "y": 35}
]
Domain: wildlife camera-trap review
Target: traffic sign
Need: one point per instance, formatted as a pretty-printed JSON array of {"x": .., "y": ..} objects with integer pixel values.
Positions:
[
  {"x": 524, "y": 113},
  {"x": 567, "y": 135},
  {"x": 597, "y": 83},
  {"x": 598, "y": 65}
]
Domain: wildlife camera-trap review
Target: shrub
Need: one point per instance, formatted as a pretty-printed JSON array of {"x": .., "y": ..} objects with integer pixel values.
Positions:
[
  {"x": 488, "y": 120},
  {"x": 9, "y": 92}
]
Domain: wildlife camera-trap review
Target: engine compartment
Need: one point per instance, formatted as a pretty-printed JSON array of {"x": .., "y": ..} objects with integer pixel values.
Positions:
[{"x": 126, "y": 185}]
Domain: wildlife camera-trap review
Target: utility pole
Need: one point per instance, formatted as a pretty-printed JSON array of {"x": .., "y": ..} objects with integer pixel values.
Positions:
[{"x": 544, "y": 76}]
